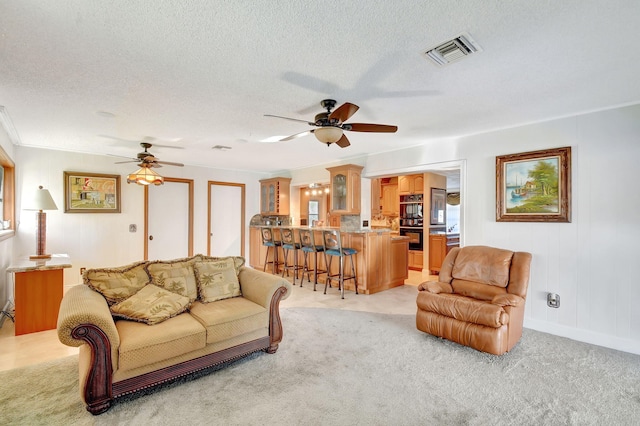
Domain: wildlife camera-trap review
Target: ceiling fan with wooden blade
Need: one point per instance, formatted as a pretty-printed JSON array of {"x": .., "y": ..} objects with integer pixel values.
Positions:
[
  {"x": 330, "y": 126},
  {"x": 146, "y": 159}
]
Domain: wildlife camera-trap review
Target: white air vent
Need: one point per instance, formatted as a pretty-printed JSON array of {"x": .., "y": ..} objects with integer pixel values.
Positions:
[
  {"x": 452, "y": 50},
  {"x": 221, "y": 147}
]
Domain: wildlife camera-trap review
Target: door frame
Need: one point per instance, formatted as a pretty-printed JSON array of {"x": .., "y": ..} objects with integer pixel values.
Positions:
[
  {"x": 211, "y": 183},
  {"x": 189, "y": 182}
]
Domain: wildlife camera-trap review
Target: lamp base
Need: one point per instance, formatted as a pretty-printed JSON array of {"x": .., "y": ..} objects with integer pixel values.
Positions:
[{"x": 39, "y": 256}]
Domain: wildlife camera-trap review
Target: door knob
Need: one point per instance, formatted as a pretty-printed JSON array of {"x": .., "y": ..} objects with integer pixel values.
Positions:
[{"x": 150, "y": 237}]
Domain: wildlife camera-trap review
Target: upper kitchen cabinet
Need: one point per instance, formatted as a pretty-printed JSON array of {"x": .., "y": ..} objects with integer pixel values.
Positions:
[
  {"x": 411, "y": 184},
  {"x": 274, "y": 196},
  {"x": 345, "y": 188},
  {"x": 389, "y": 196}
]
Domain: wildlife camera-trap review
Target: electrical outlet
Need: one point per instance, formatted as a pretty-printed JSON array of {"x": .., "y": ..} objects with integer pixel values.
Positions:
[
  {"x": 133, "y": 227},
  {"x": 553, "y": 300},
  {"x": 82, "y": 271}
]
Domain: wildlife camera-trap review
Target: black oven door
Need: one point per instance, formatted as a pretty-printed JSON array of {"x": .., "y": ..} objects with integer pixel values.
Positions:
[{"x": 415, "y": 237}]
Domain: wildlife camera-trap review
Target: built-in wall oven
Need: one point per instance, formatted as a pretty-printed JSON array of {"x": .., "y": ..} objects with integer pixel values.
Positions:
[{"x": 415, "y": 237}]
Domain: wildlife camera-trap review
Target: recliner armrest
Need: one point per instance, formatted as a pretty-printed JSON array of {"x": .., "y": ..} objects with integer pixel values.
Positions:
[
  {"x": 507, "y": 300},
  {"x": 435, "y": 287}
]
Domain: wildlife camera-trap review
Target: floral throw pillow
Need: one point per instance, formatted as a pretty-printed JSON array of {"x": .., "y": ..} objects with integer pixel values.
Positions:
[
  {"x": 176, "y": 276},
  {"x": 217, "y": 280},
  {"x": 151, "y": 305},
  {"x": 238, "y": 261},
  {"x": 117, "y": 284}
]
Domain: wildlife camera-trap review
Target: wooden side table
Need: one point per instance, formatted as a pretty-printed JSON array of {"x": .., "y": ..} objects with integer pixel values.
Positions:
[{"x": 38, "y": 292}]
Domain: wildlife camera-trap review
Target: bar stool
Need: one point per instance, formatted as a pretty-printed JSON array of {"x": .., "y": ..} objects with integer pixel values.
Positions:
[
  {"x": 307, "y": 239},
  {"x": 333, "y": 248},
  {"x": 290, "y": 244},
  {"x": 269, "y": 240}
]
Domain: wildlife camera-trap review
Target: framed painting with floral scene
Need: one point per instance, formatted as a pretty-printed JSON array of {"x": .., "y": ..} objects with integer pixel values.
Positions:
[
  {"x": 534, "y": 186},
  {"x": 91, "y": 193}
]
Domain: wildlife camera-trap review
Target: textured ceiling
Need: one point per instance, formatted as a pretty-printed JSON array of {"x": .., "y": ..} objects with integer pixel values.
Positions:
[{"x": 96, "y": 77}]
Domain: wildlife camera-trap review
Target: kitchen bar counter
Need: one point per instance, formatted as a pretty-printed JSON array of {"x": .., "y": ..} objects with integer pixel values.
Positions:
[{"x": 381, "y": 262}]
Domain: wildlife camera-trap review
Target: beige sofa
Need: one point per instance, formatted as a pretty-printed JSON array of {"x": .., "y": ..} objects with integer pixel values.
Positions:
[
  {"x": 478, "y": 300},
  {"x": 148, "y": 323}
]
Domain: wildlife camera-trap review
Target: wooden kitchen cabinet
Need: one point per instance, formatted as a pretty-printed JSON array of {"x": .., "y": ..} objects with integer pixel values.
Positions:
[
  {"x": 345, "y": 188},
  {"x": 411, "y": 184},
  {"x": 376, "y": 197},
  {"x": 389, "y": 196},
  {"x": 274, "y": 196},
  {"x": 439, "y": 246},
  {"x": 415, "y": 259}
]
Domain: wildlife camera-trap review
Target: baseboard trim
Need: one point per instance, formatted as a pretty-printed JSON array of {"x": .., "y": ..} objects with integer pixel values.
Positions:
[{"x": 599, "y": 339}]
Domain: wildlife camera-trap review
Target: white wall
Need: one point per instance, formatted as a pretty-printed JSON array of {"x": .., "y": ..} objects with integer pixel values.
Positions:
[
  {"x": 103, "y": 239},
  {"x": 590, "y": 262},
  {"x": 6, "y": 245}
]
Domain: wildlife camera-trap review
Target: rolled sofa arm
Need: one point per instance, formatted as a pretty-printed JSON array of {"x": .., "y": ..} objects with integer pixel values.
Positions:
[
  {"x": 259, "y": 286},
  {"x": 82, "y": 306},
  {"x": 266, "y": 290}
]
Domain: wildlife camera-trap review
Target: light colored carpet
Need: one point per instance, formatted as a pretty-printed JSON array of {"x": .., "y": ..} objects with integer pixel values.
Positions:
[{"x": 357, "y": 368}]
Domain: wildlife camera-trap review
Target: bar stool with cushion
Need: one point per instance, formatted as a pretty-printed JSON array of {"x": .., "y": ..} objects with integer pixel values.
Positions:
[
  {"x": 333, "y": 248},
  {"x": 289, "y": 244},
  {"x": 271, "y": 242},
  {"x": 307, "y": 239}
]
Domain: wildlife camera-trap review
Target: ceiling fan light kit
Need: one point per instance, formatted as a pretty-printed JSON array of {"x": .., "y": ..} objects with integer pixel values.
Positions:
[
  {"x": 330, "y": 126},
  {"x": 145, "y": 176},
  {"x": 328, "y": 135}
]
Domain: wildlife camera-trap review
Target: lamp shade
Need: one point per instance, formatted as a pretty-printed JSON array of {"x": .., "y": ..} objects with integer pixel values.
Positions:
[
  {"x": 328, "y": 134},
  {"x": 145, "y": 176},
  {"x": 41, "y": 200}
]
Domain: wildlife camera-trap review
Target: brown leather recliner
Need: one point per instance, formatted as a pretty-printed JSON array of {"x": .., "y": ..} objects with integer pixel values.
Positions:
[{"x": 478, "y": 300}]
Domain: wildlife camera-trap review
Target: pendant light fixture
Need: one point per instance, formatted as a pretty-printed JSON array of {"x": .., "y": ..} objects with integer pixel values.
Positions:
[{"x": 145, "y": 176}]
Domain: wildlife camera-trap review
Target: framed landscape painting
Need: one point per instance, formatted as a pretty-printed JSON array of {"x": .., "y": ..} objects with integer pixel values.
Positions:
[
  {"x": 91, "y": 193},
  {"x": 534, "y": 186}
]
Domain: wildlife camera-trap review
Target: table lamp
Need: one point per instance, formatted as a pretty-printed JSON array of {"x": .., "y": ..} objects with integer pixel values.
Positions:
[{"x": 42, "y": 200}]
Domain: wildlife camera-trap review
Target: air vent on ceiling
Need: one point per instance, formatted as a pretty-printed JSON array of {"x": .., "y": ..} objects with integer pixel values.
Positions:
[
  {"x": 221, "y": 147},
  {"x": 453, "y": 50}
]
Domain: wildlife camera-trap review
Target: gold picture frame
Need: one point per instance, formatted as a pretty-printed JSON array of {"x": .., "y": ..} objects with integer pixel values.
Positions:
[
  {"x": 534, "y": 186},
  {"x": 91, "y": 193}
]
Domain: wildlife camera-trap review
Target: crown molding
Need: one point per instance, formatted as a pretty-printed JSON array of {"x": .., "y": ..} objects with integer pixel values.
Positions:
[{"x": 8, "y": 126}]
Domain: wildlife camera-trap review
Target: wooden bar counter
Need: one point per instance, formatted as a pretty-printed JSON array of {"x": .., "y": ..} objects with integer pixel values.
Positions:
[{"x": 381, "y": 262}]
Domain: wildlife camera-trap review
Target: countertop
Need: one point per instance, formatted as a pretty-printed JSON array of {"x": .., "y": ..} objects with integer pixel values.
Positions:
[
  {"x": 57, "y": 261},
  {"x": 322, "y": 228}
]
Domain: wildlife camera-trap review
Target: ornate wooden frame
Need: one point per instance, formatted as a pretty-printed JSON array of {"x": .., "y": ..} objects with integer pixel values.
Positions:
[
  {"x": 75, "y": 181},
  {"x": 562, "y": 190},
  {"x": 100, "y": 392}
]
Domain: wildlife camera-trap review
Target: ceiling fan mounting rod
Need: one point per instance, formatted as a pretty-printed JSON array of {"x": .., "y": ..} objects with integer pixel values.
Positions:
[{"x": 328, "y": 104}]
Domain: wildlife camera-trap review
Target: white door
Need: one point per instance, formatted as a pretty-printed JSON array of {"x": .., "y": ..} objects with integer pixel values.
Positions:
[
  {"x": 169, "y": 223},
  {"x": 226, "y": 219}
]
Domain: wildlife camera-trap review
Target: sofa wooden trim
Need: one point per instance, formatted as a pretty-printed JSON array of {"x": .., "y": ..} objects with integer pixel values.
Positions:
[{"x": 100, "y": 392}]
